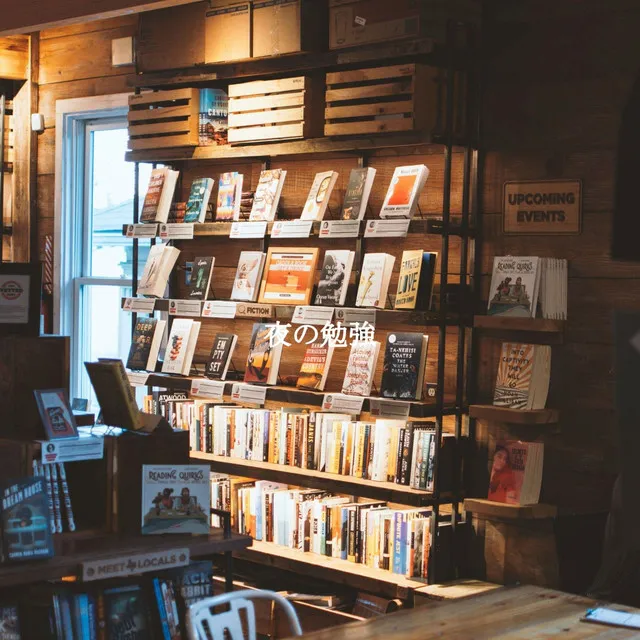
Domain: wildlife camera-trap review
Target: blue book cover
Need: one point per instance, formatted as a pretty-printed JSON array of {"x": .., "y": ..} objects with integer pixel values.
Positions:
[
  {"x": 162, "y": 612},
  {"x": 344, "y": 533},
  {"x": 397, "y": 542}
]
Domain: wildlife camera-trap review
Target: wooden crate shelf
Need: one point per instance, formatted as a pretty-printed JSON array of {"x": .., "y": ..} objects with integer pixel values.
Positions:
[
  {"x": 491, "y": 509},
  {"x": 535, "y": 330},
  {"x": 9, "y": 140},
  {"x": 513, "y": 416},
  {"x": 388, "y": 491},
  {"x": 351, "y": 574},
  {"x": 164, "y": 119}
]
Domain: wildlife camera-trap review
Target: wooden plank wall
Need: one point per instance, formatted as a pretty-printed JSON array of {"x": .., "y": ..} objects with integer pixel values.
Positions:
[
  {"x": 558, "y": 75},
  {"x": 75, "y": 62}
]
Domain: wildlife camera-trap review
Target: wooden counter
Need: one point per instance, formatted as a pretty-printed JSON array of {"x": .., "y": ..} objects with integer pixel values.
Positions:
[{"x": 509, "y": 612}]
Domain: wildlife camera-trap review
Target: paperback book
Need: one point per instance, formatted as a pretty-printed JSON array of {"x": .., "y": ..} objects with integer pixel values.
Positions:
[
  {"x": 404, "y": 191},
  {"x": 288, "y": 275},
  {"x": 315, "y": 366},
  {"x": 405, "y": 358},
  {"x": 357, "y": 194},
  {"x": 516, "y": 472},
  {"x": 415, "y": 282},
  {"x": 157, "y": 201},
  {"x": 267, "y": 195},
  {"x": 175, "y": 499},
  {"x": 374, "y": 280},
  {"x": 248, "y": 276},
  {"x": 181, "y": 346},
  {"x": 198, "y": 201},
  {"x": 514, "y": 286},
  {"x": 221, "y": 354},
  {"x": 361, "y": 368},
  {"x": 334, "y": 278},
  {"x": 201, "y": 278},
  {"x": 145, "y": 344},
  {"x": 157, "y": 269},
  {"x": 229, "y": 196},
  {"x": 263, "y": 359},
  {"x": 126, "y": 613},
  {"x": 319, "y": 195}
]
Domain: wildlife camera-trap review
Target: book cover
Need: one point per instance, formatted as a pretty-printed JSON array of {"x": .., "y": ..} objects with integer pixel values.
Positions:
[
  {"x": 315, "y": 366},
  {"x": 361, "y": 368},
  {"x": 319, "y": 195},
  {"x": 515, "y": 374},
  {"x": 213, "y": 121},
  {"x": 289, "y": 275},
  {"x": 198, "y": 200},
  {"x": 221, "y": 353},
  {"x": 26, "y": 525},
  {"x": 514, "y": 465},
  {"x": 334, "y": 278},
  {"x": 513, "y": 289},
  {"x": 401, "y": 372},
  {"x": 126, "y": 613},
  {"x": 192, "y": 584},
  {"x": 261, "y": 354},
  {"x": 140, "y": 349},
  {"x": 415, "y": 282},
  {"x": 404, "y": 190},
  {"x": 160, "y": 262},
  {"x": 356, "y": 196},
  {"x": 248, "y": 276},
  {"x": 267, "y": 195},
  {"x": 175, "y": 499},
  {"x": 177, "y": 346},
  {"x": 201, "y": 277},
  {"x": 154, "y": 193},
  {"x": 9, "y": 622},
  {"x": 374, "y": 280},
  {"x": 229, "y": 194}
]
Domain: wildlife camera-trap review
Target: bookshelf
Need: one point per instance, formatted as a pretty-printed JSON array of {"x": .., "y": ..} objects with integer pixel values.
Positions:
[
  {"x": 513, "y": 416},
  {"x": 488, "y": 508},
  {"x": 531, "y": 330}
]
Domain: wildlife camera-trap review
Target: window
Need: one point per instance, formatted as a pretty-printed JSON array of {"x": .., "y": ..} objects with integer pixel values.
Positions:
[{"x": 96, "y": 260}]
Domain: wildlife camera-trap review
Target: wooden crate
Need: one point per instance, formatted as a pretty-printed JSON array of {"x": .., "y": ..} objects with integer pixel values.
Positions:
[
  {"x": 9, "y": 137},
  {"x": 272, "y": 110},
  {"x": 380, "y": 100},
  {"x": 162, "y": 119}
]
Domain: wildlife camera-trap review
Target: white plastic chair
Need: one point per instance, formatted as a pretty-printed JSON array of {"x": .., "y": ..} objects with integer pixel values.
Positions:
[{"x": 204, "y": 624}]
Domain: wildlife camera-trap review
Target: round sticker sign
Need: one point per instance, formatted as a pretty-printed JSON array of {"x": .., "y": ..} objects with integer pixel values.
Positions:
[{"x": 11, "y": 290}]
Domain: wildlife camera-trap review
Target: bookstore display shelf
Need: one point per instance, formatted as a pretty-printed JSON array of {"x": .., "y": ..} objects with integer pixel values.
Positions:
[
  {"x": 539, "y": 330},
  {"x": 513, "y": 416},
  {"x": 294, "y": 395},
  {"x": 388, "y": 491},
  {"x": 489, "y": 508},
  {"x": 351, "y": 574},
  {"x": 111, "y": 546}
]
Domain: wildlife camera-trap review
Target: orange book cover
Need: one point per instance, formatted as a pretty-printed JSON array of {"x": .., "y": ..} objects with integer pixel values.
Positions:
[
  {"x": 289, "y": 275},
  {"x": 402, "y": 189},
  {"x": 260, "y": 355}
]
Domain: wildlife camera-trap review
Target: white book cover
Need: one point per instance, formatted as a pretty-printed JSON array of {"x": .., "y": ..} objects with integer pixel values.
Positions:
[
  {"x": 514, "y": 286},
  {"x": 361, "y": 368},
  {"x": 319, "y": 195},
  {"x": 404, "y": 191},
  {"x": 267, "y": 196},
  {"x": 374, "y": 280},
  {"x": 177, "y": 346},
  {"x": 157, "y": 269},
  {"x": 248, "y": 276}
]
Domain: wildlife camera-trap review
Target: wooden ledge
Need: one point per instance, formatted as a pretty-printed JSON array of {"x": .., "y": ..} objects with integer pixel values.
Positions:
[
  {"x": 519, "y": 324},
  {"x": 513, "y": 416},
  {"x": 453, "y": 590},
  {"x": 488, "y": 508}
]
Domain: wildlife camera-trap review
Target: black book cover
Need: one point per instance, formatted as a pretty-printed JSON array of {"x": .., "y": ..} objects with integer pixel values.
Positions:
[
  {"x": 332, "y": 279},
  {"x": 26, "y": 525},
  {"x": 141, "y": 343},
  {"x": 425, "y": 283},
  {"x": 328, "y": 548},
  {"x": 401, "y": 369},
  {"x": 126, "y": 613},
  {"x": 311, "y": 444},
  {"x": 399, "y": 456},
  {"x": 9, "y": 622},
  {"x": 352, "y": 525},
  {"x": 200, "y": 278},
  {"x": 220, "y": 354},
  {"x": 353, "y": 195},
  {"x": 192, "y": 584},
  {"x": 407, "y": 451}
]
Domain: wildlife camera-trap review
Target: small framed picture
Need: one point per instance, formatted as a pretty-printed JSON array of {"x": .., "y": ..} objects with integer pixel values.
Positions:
[{"x": 56, "y": 413}]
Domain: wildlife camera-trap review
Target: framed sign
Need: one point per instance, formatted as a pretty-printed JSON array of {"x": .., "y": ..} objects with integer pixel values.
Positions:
[
  {"x": 20, "y": 290},
  {"x": 542, "y": 207},
  {"x": 56, "y": 414}
]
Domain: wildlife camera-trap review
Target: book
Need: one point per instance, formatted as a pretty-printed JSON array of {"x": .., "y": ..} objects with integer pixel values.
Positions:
[
  {"x": 553, "y": 288},
  {"x": 334, "y": 278},
  {"x": 405, "y": 358},
  {"x": 263, "y": 359},
  {"x": 157, "y": 201},
  {"x": 157, "y": 269},
  {"x": 175, "y": 499},
  {"x": 248, "y": 276},
  {"x": 198, "y": 201},
  {"x": 229, "y": 196},
  {"x": 361, "y": 368},
  {"x": 221, "y": 354},
  {"x": 514, "y": 286},
  {"x": 213, "y": 120},
  {"x": 319, "y": 195},
  {"x": 267, "y": 195},
  {"x": 374, "y": 280},
  {"x": 126, "y": 613},
  {"x": 523, "y": 376},
  {"x": 288, "y": 275},
  {"x": 356, "y": 197},
  {"x": 192, "y": 584},
  {"x": 516, "y": 472},
  {"x": 181, "y": 346},
  {"x": 201, "y": 278},
  {"x": 26, "y": 527},
  {"x": 404, "y": 191},
  {"x": 9, "y": 622},
  {"x": 415, "y": 282},
  {"x": 315, "y": 366},
  {"x": 166, "y": 608},
  {"x": 145, "y": 344}
]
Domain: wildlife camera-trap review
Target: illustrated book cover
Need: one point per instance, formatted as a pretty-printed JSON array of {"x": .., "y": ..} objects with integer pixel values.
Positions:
[
  {"x": 155, "y": 276},
  {"x": 181, "y": 346},
  {"x": 415, "y": 282},
  {"x": 196, "y": 210},
  {"x": 267, "y": 195},
  {"x": 361, "y": 368},
  {"x": 201, "y": 277},
  {"x": 263, "y": 359},
  {"x": 514, "y": 286},
  {"x": 145, "y": 344},
  {"x": 288, "y": 275},
  {"x": 334, "y": 278},
  {"x": 315, "y": 366},
  {"x": 356, "y": 197},
  {"x": 157, "y": 201},
  {"x": 248, "y": 276},
  {"x": 404, "y": 191},
  {"x": 229, "y": 196},
  {"x": 374, "y": 280},
  {"x": 319, "y": 195},
  {"x": 516, "y": 472}
]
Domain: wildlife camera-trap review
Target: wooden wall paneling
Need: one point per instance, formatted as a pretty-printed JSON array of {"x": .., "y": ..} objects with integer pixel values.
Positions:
[
  {"x": 14, "y": 57},
  {"x": 118, "y": 22}
]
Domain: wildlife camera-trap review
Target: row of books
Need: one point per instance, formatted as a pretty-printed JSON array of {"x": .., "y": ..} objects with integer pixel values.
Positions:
[
  {"x": 370, "y": 533},
  {"x": 401, "y": 200},
  {"x": 150, "y": 607},
  {"x": 286, "y": 275},
  {"x": 522, "y": 286}
]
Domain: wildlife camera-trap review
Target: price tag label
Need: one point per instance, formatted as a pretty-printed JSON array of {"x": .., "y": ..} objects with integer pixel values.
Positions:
[
  {"x": 312, "y": 315},
  {"x": 387, "y": 228},
  {"x": 360, "y": 21},
  {"x": 176, "y": 231},
  {"x": 71, "y": 450},
  {"x": 246, "y": 230},
  {"x": 210, "y": 389},
  {"x": 142, "y": 305},
  {"x": 253, "y": 310},
  {"x": 339, "y": 229},
  {"x": 342, "y": 403},
  {"x": 352, "y": 317},
  {"x": 292, "y": 229},
  {"x": 219, "y": 309},
  {"x": 138, "y": 378},
  {"x": 395, "y": 409},
  {"x": 190, "y": 308},
  {"x": 142, "y": 230},
  {"x": 249, "y": 394}
]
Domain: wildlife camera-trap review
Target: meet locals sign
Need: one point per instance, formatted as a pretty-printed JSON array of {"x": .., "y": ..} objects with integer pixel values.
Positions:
[{"x": 546, "y": 207}]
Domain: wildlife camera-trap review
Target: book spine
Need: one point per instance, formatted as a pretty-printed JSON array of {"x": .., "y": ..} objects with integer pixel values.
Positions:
[
  {"x": 311, "y": 445},
  {"x": 397, "y": 543},
  {"x": 328, "y": 549},
  {"x": 162, "y": 613},
  {"x": 323, "y": 529},
  {"x": 42, "y": 471},
  {"x": 432, "y": 454},
  {"x": 386, "y": 533},
  {"x": 398, "y": 474},
  {"x": 57, "y": 510},
  {"x": 422, "y": 481},
  {"x": 351, "y": 551},
  {"x": 266, "y": 431},
  {"x": 67, "y": 498}
]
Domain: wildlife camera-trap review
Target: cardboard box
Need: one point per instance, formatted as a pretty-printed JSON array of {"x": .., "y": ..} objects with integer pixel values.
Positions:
[{"x": 227, "y": 32}]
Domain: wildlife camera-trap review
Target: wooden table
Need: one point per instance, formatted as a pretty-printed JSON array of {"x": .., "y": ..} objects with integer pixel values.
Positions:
[{"x": 510, "y": 612}]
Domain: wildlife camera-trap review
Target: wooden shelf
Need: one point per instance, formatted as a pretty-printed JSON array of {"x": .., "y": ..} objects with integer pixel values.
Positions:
[
  {"x": 535, "y": 330},
  {"x": 388, "y": 491},
  {"x": 489, "y": 508},
  {"x": 107, "y": 546},
  {"x": 351, "y": 574},
  {"x": 292, "y": 395},
  {"x": 513, "y": 416}
]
